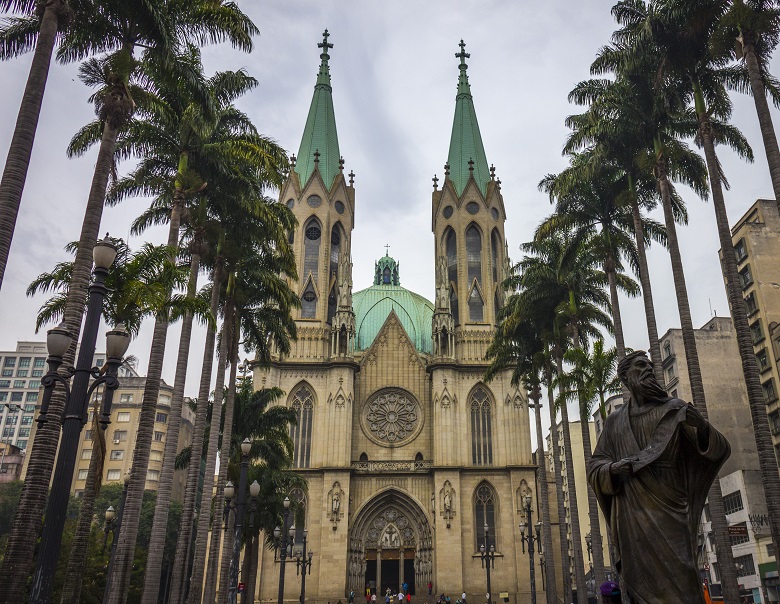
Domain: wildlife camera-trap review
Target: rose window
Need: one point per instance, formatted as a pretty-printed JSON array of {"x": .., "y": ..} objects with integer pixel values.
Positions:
[{"x": 392, "y": 417}]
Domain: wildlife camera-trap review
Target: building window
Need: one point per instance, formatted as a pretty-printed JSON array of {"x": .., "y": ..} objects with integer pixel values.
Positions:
[
  {"x": 333, "y": 270},
  {"x": 756, "y": 332},
  {"x": 670, "y": 374},
  {"x": 23, "y": 433},
  {"x": 8, "y": 372},
  {"x": 770, "y": 550},
  {"x": 87, "y": 434},
  {"x": 123, "y": 416},
  {"x": 485, "y": 513},
  {"x": 481, "y": 428},
  {"x": 714, "y": 572},
  {"x": 159, "y": 437},
  {"x": 83, "y": 474},
  {"x": 311, "y": 250},
  {"x": 770, "y": 394},
  {"x": 22, "y": 444},
  {"x": 33, "y": 384},
  {"x": 745, "y": 565},
  {"x": 162, "y": 418},
  {"x": 120, "y": 436},
  {"x": 29, "y": 408},
  {"x": 39, "y": 362},
  {"x": 762, "y": 358},
  {"x": 10, "y": 362},
  {"x": 303, "y": 405},
  {"x": 5, "y": 383},
  {"x": 27, "y": 420},
  {"x": 19, "y": 383},
  {"x": 746, "y": 277},
  {"x": 114, "y": 475},
  {"x": 153, "y": 475},
  {"x": 3, "y": 397},
  {"x": 117, "y": 455},
  {"x": 740, "y": 250},
  {"x": 667, "y": 350},
  {"x": 37, "y": 373},
  {"x": 309, "y": 302},
  {"x": 739, "y": 539},
  {"x": 86, "y": 454},
  {"x": 451, "y": 250},
  {"x": 10, "y": 420},
  {"x": 22, "y": 373},
  {"x": 126, "y": 398},
  {"x": 155, "y": 455},
  {"x": 24, "y": 362},
  {"x": 733, "y": 502},
  {"x": 8, "y": 432},
  {"x": 751, "y": 306},
  {"x": 474, "y": 264},
  {"x": 31, "y": 397}
]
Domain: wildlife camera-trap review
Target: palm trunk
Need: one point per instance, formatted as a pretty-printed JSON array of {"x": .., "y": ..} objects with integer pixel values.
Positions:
[
  {"x": 550, "y": 587},
  {"x": 19, "y": 553},
  {"x": 764, "y": 449},
  {"x": 71, "y": 589},
  {"x": 556, "y": 455},
  {"x": 201, "y": 542},
  {"x": 18, "y": 161},
  {"x": 764, "y": 119},
  {"x": 576, "y": 536},
  {"x": 647, "y": 292},
  {"x": 157, "y": 539},
  {"x": 131, "y": 516},
  {"x": 183, "y": 543},
  {"x": 596, "y": 543},
  {"x": 227, "y": 437},
  {"x": 726, "y": 558},
  {"x": 617, "y": 321}
]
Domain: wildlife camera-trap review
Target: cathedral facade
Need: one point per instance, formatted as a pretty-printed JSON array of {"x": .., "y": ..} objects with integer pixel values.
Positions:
[{"x": 407, "y": 451}]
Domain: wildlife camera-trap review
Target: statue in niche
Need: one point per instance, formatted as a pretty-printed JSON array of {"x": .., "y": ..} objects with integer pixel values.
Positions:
[
  {"x": 390, "y": 538},
  {"x": 334, "y": 498},
  {"x": 447, "y": 495},
  {"x": 336, "y": 503}
]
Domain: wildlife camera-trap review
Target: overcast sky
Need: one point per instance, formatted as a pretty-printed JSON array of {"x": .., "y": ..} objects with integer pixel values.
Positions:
[{"x": 394, "y": 77}]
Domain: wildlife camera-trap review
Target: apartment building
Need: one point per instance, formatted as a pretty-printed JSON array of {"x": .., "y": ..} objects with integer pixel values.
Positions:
[
  {"x": 11, "y": 461},
  {"x": 581, "y": 491},
  {"x": 756, "y": 238},
  {"x": 740, "y": 479},
  {"x": 21, "y": 371}
]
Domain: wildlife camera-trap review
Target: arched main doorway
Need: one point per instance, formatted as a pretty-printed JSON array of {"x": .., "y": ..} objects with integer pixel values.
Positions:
[{"x": 390, "y": 544}]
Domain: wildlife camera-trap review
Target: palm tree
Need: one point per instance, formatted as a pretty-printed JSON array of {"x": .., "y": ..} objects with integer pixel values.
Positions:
[
  {"x": 593, "y": 373},
  {"x": 560, "y": 276},
  {"x": 592, "y": 202},
  {"x": 517, "y": 345},
  {"x": 750, "y": 31}
]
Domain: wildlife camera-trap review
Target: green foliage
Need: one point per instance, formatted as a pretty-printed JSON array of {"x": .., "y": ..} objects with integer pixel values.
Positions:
[{"x": 9, "y": 499}]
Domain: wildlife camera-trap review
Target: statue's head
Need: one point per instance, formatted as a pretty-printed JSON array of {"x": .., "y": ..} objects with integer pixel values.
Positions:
[{"x": 635, "y": 370}]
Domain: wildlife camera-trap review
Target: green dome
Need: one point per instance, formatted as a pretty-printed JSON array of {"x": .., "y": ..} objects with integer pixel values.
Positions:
[{"x": 373, "y": 305}]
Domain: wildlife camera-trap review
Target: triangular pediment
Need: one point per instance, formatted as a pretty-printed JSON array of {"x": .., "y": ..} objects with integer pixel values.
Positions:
[{"x": 392, "y": 346}]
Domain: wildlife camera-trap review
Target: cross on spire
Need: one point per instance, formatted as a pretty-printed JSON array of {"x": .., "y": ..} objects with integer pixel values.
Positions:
[
  {"x": 435, "y": 182},
  {"x": 387, "y": 249},
  {"x": 471, "y": 166},
  {"x": 447, "y": 169},
  {"x": 351, "y": 178},
  {"x": 325, "y": 45},
  {"x": 317, "y": 156},
  {"x": 492, "y": 172},
  {"x": 341, "y": 164},
  {"x": 462, "y": 55},
  {"x": 293, "y": 160}
]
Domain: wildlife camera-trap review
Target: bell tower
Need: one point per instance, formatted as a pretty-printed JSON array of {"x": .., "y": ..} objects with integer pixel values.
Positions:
[
  {"x": 323, "y": 201},
  {"x": 468, "y": 225}
]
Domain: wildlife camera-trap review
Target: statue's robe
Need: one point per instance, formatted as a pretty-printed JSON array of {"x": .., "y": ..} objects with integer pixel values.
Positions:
[{"x": 654, "y": 513}]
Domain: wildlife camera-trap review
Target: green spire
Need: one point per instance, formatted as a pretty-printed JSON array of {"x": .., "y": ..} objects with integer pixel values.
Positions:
[
  {"x": 386, "y": 270},
  {"x": 467, "y": 154},
  {"x": 319, "y": 136}
]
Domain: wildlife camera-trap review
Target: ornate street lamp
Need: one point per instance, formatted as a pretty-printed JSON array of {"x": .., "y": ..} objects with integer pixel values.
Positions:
[
  {"x": 530, "y": 538},
  {"x": 238, "y": 509},
  {"x": 77, "y": 395},
  {"x": 302, "y": 563},
  {"x": 488, "y": 556},
  {"x": 283, "y": 553}
]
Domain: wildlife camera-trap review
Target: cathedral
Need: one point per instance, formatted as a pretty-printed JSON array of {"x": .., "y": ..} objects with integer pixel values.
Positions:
[{"x": 408, "y": 453}]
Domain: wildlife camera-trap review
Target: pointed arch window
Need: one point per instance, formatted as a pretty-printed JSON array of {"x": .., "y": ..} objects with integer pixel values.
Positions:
[
  {"x": 495, "y": 250},
  {"x": 481, "y": 428},
  {"x": 485, "y": 513},
  {"x": 303, "y": 405},
  {"x": 474, "y": 263},
  {"x": 312, "y": 237},
  {"x": 309, "y": 302},
  {"x": 298, "y": 500},
  {"x": 451, "y": 249},
  {"x": 333, "y": 271}
]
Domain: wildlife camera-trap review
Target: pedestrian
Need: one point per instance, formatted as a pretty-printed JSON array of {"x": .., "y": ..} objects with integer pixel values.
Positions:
[
  {"x": 408, "y": 598},
  {"x": 373, "y": 598},
  {"x": 401, "y": 597},
  {"x": 351, "y": 596},
  {"x": 430, "y": 589},
  {"x": 610, "y": 593},
  {"x": 463, "y": 597},
  {"x": 387, "y": 596}
]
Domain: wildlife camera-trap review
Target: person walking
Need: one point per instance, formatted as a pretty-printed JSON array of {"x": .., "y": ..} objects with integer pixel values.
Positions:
[{"x": 430, "y": 589}]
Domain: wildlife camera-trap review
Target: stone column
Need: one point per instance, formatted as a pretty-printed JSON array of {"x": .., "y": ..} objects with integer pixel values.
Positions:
[
  {"x": 379, "y": 592},
  {"x": 401, "y": 566}
]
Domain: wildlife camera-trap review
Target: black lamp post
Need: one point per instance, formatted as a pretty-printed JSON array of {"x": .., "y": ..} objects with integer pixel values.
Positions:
[
  {"x": 302, "y": 563},
  {"x": 529, "y": 539},
  {"x": 77, "y": 395},
  {"x": 113, "y": 526},
  {"x": 283, "y": 554},
  {"x": 487, "y": 554},
  {"x": 238, "y": 508}
]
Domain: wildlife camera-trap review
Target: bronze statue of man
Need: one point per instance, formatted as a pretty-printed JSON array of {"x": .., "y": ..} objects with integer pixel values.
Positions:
[{"x": 652, "y": 468}]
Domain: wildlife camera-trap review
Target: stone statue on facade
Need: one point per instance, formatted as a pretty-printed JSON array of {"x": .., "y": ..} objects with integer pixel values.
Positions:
[
  {"x": 442, "y": 286},
  {"x": 651, "y": 470}
]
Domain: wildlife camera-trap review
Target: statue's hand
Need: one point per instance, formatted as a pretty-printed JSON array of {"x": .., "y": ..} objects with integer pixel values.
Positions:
[
  {"x": 621, "y": 468},
  {"x": 693, "y": 418}
]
